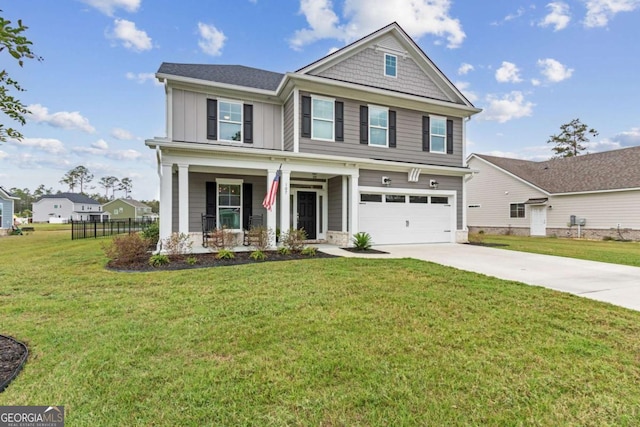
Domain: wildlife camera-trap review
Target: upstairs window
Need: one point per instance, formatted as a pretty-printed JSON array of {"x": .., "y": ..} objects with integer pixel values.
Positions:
[
  {"x": 230, "y": 121},
  {"x": 390, "y": 65},
  {"x": 438, "y": 134},
  {"x": 378, "y": 126},
  {"x": 322, "y": 125}
]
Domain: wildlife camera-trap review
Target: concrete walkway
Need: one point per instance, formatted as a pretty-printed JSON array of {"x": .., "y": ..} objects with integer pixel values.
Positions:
[{"x": 616, "y": 284}]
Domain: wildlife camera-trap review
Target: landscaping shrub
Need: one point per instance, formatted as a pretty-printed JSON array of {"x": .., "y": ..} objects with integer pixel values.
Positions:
[
  {"x": 362, "y": 241},
  {"x": 152, "y": 233},
  {"x": 294, "y": 239},
  {"x": 178, "y": 244},
  {"x": 126, "y": 249},
  {"x": 259, "y": 238},
  {"x": 222, "y": 238},
  {"x": 225, "y": 254},
  {"x": 309, "y": 251},
  {"x": 158, "y": 260},
  {"x": 258, "y": 255},
  {"x": 191, "y": 260},
  {"x": 283, "y": 250}
]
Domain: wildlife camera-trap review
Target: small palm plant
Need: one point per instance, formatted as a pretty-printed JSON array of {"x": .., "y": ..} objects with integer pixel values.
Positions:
[{"x": 362, "y": 241}]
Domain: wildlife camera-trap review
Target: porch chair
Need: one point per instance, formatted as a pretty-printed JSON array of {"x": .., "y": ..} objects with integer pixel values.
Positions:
[
  {"x": 254, "y": 221},
  {"x": 208, "y": 227}
]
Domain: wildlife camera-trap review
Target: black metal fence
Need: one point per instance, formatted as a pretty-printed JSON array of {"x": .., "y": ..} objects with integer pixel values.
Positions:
[{"x": 95, "y": 229}]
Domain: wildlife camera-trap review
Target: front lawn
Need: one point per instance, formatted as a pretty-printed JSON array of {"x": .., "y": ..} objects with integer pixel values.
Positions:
[
  {"x": 314, "y": 342},
  {"x": 626, "y": 253}
]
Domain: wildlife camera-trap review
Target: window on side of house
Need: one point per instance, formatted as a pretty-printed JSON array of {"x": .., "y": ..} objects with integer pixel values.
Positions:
[
  {"x": 230, "y": 204},
  {"x": 322, "y": 118},
  {"x": 438, "y": 134},
  {"x": 378, "y": 126},
  {"x": 390, "y": 65},
  {"x": 516, "y": 210},
  {"x": 230, "y": 121}
]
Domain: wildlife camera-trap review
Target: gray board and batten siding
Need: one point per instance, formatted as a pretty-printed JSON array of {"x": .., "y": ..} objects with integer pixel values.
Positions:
[
  {"x": 189, "y": 110},
  {"x": 399, "y": 180},
  {"x": 335, "y": 203},
  {"x": 408, "y": 139},
  {"x": 367, "y": 68}
]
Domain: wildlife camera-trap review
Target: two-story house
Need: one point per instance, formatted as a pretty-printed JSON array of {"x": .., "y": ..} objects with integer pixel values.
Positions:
[
  {"x": 63, "y": 207},
  {"x": 370, "y": 138},
  {"x": 121, "y": 209}
]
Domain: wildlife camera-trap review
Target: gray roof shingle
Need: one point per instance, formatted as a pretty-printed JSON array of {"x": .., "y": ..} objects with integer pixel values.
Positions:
[
  {"x": 609, "y": 170},
  {"x": 237, "y": 75},
  {"x": 73, "y": 197}
]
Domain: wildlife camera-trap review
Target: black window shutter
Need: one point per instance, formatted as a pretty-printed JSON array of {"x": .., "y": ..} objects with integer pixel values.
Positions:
[
  {"x": 425, "y": 133},
  {"x": 212, "y": 119},
  {"x": 339, "y": 112},
  {"x": 364, "y": 124},
  {"x": 306, "y": 117},
  {"x": 211, "y": 198},
  {"x": 392, "y": 129},
  {"x": 449, "y": 136},
  {"x": 248, "y": 124},
  {"x": 247, "y": 204}
]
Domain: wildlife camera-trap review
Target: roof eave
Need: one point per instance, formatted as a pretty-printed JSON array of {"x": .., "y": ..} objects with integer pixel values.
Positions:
[{"x": 201, "y": 82}]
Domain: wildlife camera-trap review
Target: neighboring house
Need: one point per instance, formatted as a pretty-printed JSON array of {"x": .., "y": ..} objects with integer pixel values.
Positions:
[
  {"x": 63, "y": 207},
  {"x": 129, "y": 208},
  {"x": 370, "y": 138},
  {"x": 6, "y": 210},
  {"x": 596, "y": 195}
]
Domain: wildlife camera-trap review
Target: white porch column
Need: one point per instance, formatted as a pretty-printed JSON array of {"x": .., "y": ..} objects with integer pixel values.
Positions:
[
  {"x": 166, "y": 198},
  {"x": 354, "y": 198},
  {"x": 345, "y": 202},
  {"x": 183, "y": 198},
  {"x": 271, "y": 214},
  {"x": 285, "y": 201}
]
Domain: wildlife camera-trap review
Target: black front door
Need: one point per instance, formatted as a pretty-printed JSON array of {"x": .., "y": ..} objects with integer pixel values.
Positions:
[{"x": 307, "y": 213}]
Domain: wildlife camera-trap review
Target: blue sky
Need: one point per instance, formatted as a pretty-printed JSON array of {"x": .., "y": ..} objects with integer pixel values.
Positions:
[{"x": 531, "y": 65}]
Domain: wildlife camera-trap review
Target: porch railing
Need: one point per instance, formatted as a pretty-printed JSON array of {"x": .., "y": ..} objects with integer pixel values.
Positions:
[{"x": 95, "y": 229}]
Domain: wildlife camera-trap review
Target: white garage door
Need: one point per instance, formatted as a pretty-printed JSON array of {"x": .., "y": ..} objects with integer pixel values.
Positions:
[{"x": 404, "y": 219}]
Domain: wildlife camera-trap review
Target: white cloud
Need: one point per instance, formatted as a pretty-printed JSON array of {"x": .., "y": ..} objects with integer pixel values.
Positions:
[
  {"x": 48, "y": 145},
  {"x": 465, "y": 68},
  {"x": 109, "y": 6},
  {"x": 124, "y": 155},
  {"x": 628, "y": 138},
  {"x": 101, "y": 148},
  {"x": 510, "y": 106},
  {"x": 122, "y": 134},
  {"x": 3, "y": 155},
  {"x": 100, "y": 144},
  {"x": 131, "y": 37},
  {"x": 599, "y": 12},
  {"x": 464, "y": 88},
  {"x": 61, "y": 119},
  {"x": 536, "y": 82},
  {"x": 512, "y": 16},
  {"x": 558, "y": 17},
  {"x": 332, "y": 50},
  {"x": 212, "y": 40},
  {"x": 553, "y": 70},
  {"x": 143, "y": 78},
  {"x": 423, "y": 17},
  {"x": 508, "y": 73}
]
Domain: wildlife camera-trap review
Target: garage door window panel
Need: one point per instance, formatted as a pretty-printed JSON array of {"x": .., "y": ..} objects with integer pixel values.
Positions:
[
  {"x": 438, "y": 200},
  {"x": 418, "y": 199},
  {"x": 371, "y": 198},
  {"x": 395, "y": 198}
]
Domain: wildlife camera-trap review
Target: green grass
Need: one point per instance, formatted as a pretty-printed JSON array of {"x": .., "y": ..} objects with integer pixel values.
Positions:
[
  {"x": 357, "y": 342},
  {"x": 626, "y": 253}
]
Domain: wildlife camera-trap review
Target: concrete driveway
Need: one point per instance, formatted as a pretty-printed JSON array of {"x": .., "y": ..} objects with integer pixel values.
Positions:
[{"x": 616, "y": 284}]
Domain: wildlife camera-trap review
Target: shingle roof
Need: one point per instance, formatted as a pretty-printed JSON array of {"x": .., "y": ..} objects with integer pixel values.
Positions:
[
  {"x": 12, "y": 196},
  {"x": 132, "y": 202},
  {"x": 238, "y": 75},
  {"x": 609, "y": 170},
  {"x": 73, "y": 197}
]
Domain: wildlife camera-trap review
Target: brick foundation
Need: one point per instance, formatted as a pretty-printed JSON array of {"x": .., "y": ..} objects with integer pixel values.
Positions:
[{"x": 569, "y": 232}]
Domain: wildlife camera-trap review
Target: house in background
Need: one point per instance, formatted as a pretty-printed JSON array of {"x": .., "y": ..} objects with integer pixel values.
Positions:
[
  {"x": 63, "y": 207},
  {"x": 129, "y": 209},
  {"x": 6, "y": 211},
  {"x": 370, "y": 138},
  {"x": 594, "y": 195}
]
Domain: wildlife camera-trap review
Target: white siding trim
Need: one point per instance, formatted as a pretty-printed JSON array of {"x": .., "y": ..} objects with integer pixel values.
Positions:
[{"x": 517, "y": 178}]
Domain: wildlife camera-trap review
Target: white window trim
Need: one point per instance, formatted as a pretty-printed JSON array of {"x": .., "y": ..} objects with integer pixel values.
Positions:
[
  {"x": 228, "y": 181},
  {"x": 378, "y": 127},
  {"x": 444, "y": 146},
  {"x": 220, "y": 120},
  {"x": 384, "y": 66},
  {"x": 333, "y": 120}
]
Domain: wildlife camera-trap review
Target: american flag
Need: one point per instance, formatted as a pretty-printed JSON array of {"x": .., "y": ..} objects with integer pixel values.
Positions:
[{"x": 270, "y": 198}]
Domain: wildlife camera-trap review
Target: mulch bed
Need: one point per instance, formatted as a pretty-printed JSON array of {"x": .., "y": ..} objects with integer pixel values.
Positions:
[
  {"x": 13, "y": 354},
  {"x": 364, "y": 251},
  {"x": 209, "y": 260}
]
